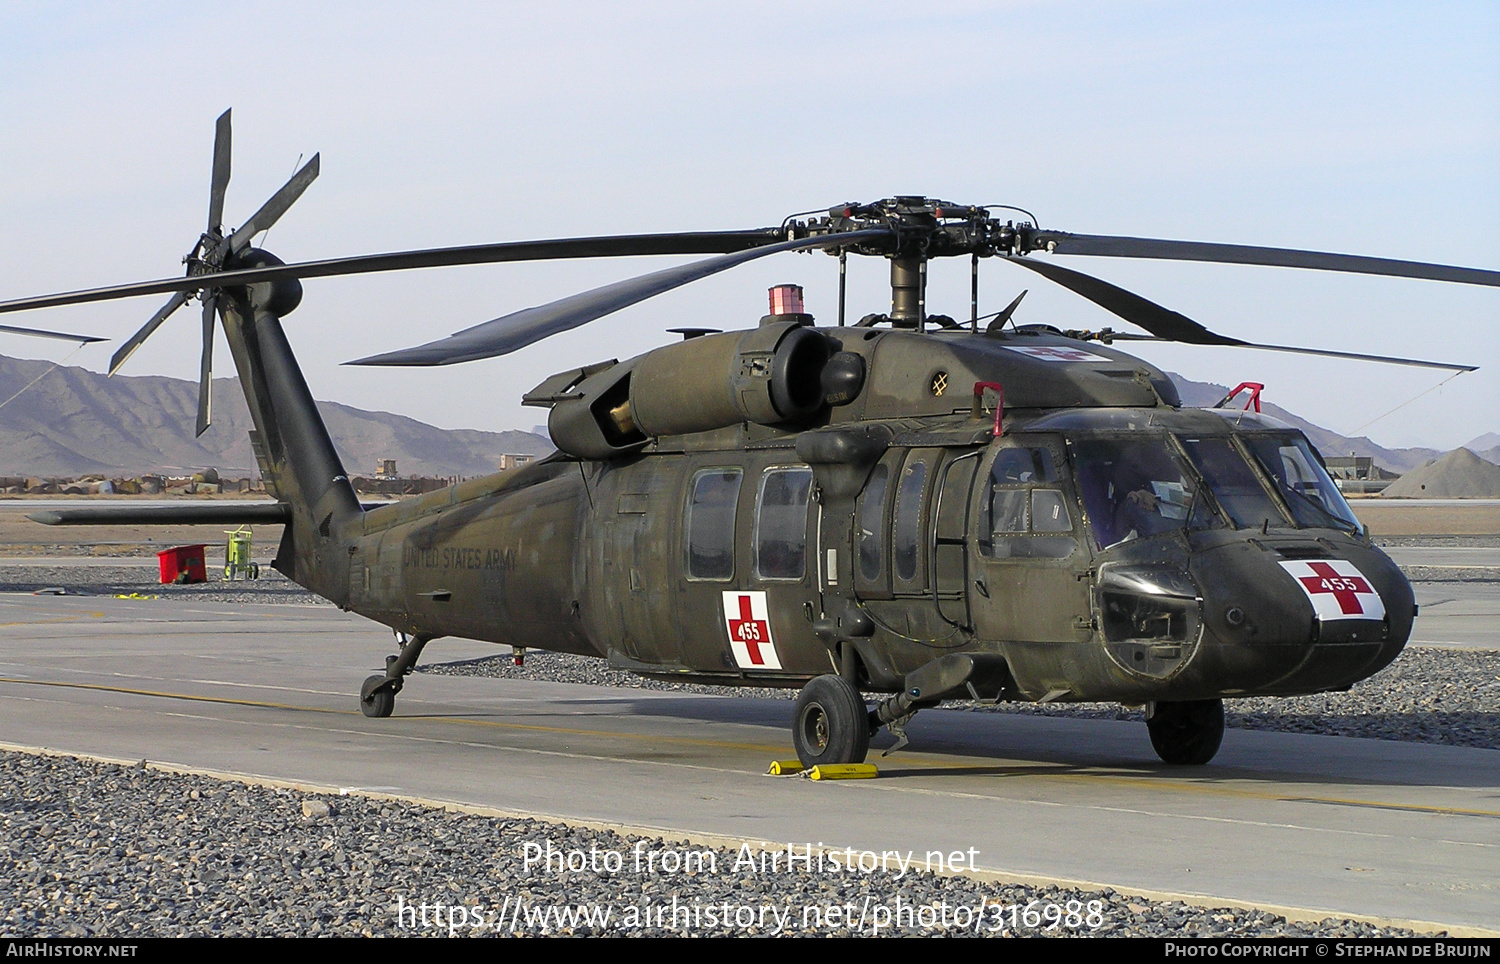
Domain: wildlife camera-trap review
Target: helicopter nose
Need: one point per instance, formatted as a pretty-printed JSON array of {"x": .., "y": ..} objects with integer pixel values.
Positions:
[{"x": 1300, "y": 616}]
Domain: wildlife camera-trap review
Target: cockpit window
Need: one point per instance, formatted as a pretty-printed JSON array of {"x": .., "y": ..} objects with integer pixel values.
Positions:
[
  {"x": 1025, "y": 514},
  {"x": 1306, "y": 487},
  {"x": 1135, "y": 488},
  {"x": 1023, "y": 466},
  {"x": 1235, "y": 485}
]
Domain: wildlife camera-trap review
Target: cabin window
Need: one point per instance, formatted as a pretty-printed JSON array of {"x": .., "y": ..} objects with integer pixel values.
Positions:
[
  {"x": 907, "y": 525},
  {"x": 872, "y": 525},
  {"x": 1025, "y": 515},
  {"x": 781, "y": 523},
  {"x": 710, "y": 523}
]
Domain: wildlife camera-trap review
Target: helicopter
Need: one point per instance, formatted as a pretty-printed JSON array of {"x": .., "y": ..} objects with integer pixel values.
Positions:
[{"x": 909, "y": 506}]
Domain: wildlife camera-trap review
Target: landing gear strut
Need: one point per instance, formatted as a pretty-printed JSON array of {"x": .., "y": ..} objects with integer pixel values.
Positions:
[
  {"x": 831, "y": 723},
  {"x": 1187, "y": 733},
  {"x": 377, "y": 697}
]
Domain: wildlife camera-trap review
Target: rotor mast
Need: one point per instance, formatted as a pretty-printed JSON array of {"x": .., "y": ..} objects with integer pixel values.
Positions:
[
  {"x": 920, "y": 228},
  {"x": 908, "y": 291}
]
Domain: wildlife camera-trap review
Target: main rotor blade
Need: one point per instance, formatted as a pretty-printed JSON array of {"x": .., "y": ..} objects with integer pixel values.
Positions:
[
  {"x": 44, "y": 333},
  {"x": 519, "y": 329},
  {"x": 275, "y": 207},
  {"x": 703, "y": 242},
  {"x": 1388, "y": 359},
  {"x": 1163, "y": 322},
  {"x": 220, "y": 180},
  {"x": 1061, "y": 242},
  {"x": 206, "y": 364},
  {"x": 128, "y": 349}
]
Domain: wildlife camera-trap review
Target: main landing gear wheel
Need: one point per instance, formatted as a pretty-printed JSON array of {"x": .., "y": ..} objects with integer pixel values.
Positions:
[
  {"x": 1187, "y": 733},
  {"x": 831, "y": 723},
  {"x": 377, "y": 698}
]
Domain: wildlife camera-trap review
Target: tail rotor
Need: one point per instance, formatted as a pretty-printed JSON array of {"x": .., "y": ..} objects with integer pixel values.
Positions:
[{"x": 217, "y": 252}]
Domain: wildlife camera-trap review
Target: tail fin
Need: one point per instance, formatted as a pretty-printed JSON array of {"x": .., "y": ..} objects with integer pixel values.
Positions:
[{"x": 297, "y": 458}]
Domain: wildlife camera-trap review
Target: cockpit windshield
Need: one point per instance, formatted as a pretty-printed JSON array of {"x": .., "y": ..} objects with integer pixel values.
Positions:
[
  {"x": 1235, "y": 484},
  {"x": 1302, "y": 480},
  {"x": 1134, "y": 488},
  {"x": 1139, "y": 487}
]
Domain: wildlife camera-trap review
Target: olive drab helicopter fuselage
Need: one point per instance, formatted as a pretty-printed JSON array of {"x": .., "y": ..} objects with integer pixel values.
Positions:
[
  {"x": 909, "y": 506},
  {"x": 1104, "y": 544}
]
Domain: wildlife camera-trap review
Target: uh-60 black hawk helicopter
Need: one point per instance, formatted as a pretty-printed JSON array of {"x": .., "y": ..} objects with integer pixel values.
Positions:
[{"x": 909, "y": 505}]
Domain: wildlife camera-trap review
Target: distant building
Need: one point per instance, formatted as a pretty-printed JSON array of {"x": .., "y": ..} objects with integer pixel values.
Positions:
[
  {"x": 1358, "y": 474},
  {"x": 1357, "y": 467},
  {"x": 385, "y": 469},
  {"x": 514, "y": 461}
]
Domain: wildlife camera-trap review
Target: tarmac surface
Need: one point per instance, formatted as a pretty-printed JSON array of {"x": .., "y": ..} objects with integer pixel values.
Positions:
[{"x": 1318, "y": 825}]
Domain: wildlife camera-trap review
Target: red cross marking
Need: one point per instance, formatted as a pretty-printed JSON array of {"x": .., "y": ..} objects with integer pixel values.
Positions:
[
  {"x": 1344, "y": 588},
  {"x": 1068, "y": 354},
  {"x": 750, "y": 631}
]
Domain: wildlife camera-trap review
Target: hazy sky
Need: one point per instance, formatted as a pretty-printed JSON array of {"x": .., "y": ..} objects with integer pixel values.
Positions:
[{"x": 1370, "y": 128}]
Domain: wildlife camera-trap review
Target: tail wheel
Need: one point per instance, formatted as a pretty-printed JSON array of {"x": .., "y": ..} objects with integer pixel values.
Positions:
[
  {"x": 831, "y": 723},
  {"x": 1187, "y": 733}
]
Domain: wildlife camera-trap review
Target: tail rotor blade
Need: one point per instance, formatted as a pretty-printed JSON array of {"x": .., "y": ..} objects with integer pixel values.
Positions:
[
  {"x": 206, "y": 366},
  {"x": 220, "y": 180},
  {"x": 275, "y": 207},
  {"x": 128, "y": 349}
]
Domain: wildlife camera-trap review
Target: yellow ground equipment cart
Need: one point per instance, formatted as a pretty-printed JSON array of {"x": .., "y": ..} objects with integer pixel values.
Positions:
[{"x": 237, "y": 562}]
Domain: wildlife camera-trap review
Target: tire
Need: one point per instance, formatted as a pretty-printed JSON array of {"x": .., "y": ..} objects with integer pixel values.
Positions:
[
  {"x": 380, "y": 703},
  {"x": 831, "y": 723},
  {"x": 1187, "y": 733}
]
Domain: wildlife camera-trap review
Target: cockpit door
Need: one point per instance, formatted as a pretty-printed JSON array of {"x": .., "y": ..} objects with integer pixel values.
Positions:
[{"x": 1029, "y": 563}]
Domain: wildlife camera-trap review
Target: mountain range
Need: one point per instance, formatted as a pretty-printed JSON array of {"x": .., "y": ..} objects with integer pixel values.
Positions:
[
  {"x": 72, "y": 421},
  {"x": 1330, "y": 443}
]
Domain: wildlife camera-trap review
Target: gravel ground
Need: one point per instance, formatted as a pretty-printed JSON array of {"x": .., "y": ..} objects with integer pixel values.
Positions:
[
  {"x": 101, "y": 850},
  {"x": 111, "y": 580}
]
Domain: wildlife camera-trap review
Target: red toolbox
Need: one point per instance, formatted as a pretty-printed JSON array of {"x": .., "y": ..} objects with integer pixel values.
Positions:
[{"x": 181, "y": 564}]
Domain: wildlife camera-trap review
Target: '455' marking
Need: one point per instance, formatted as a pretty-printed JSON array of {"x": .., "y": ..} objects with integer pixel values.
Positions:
[
  {"x": 748, "y": 622},
  {"x": 1337, "y": 589}
]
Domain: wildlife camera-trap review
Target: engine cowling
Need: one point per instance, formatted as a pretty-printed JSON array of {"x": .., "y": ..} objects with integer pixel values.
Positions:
[{"x": 771, "y": 375}]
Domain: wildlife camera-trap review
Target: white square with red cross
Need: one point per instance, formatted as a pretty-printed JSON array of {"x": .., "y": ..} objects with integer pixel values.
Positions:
[
  {"x": 1336, "y": 588},
  {"x": 748, "y": 621},
  {"x": 1057, "y": 354}
]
